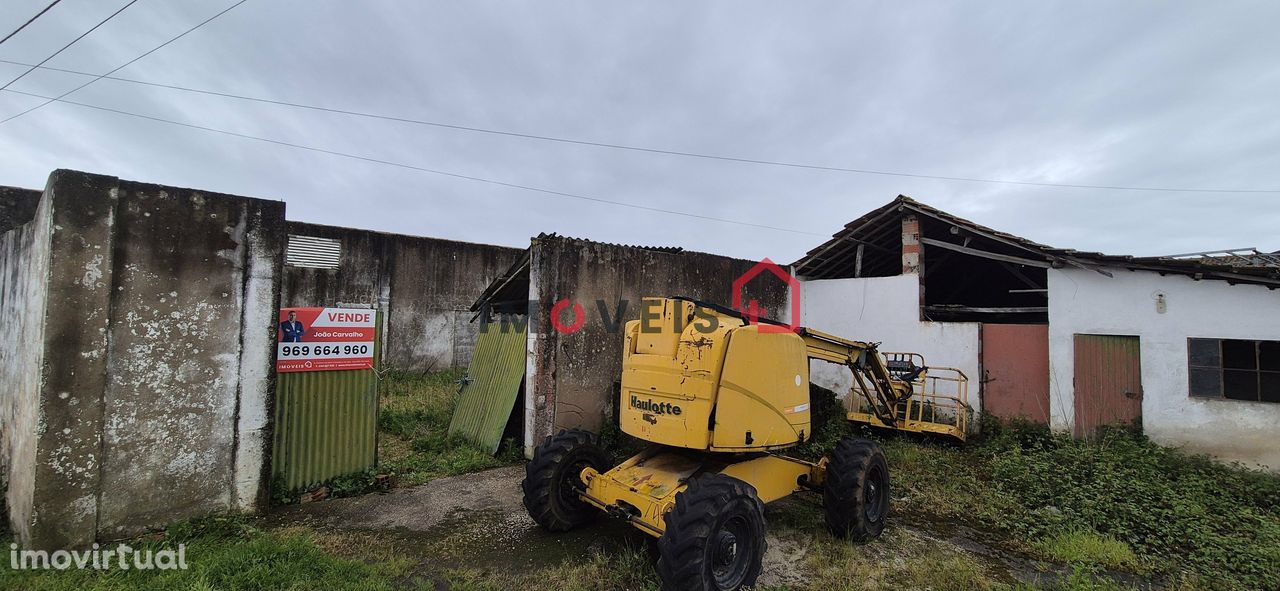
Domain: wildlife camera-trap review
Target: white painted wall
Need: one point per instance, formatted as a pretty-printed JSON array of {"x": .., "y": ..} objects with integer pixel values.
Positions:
[
  {"x": 886, "y": 310},
  {"x": 1087, "y": 302}
]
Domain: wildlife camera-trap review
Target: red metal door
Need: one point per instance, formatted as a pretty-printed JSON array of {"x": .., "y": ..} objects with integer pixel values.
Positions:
[
  {"x": 1015, "y": 371},
  {"x": 1108, "y": 382}
]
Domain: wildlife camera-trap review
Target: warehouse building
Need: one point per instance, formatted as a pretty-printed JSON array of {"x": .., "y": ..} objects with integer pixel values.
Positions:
[{"x": 1186, "y": 346}]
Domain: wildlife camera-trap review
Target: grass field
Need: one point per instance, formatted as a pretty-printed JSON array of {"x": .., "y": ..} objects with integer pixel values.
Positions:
[{"x": 1019, "y": 504}]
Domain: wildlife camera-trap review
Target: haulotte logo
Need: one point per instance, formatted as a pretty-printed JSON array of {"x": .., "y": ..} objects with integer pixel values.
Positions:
[
  {"x": 121, "y": 557},
  {"x": 566, "y": 316}
]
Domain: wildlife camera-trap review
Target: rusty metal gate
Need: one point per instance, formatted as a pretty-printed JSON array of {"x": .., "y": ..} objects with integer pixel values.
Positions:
[
  {"x": 326, "y": 424},
  {"x": 1015, "y": 371},
  {"x": 1108, "y": 382}
]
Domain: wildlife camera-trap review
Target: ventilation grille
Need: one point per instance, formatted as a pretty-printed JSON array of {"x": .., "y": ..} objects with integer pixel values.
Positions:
[{"x": 310, "y": 251}]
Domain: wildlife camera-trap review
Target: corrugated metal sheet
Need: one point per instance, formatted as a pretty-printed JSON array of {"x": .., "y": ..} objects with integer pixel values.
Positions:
[
  {"x": 1108, "y": 382},
  {"x": 492, "y": 385},
  {"x": 326, "y": 425},
  {"x": 1015, "y": 371},
  {"x": 313, "y": 251}
]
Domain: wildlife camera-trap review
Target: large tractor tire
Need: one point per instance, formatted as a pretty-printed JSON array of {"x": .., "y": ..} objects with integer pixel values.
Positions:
[
  {"x": 856, "y": 492},
  {"x": 714, "y": 539},
  {"x": 551, "y": 481}
]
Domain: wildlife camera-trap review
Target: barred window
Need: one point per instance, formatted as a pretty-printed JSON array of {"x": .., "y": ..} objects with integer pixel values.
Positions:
[{"x": 1234, "y": 369}]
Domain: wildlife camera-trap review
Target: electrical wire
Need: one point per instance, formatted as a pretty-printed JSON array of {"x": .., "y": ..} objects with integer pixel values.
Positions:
[
  {"x": 29, "y": 21},
  {"x": 73, "y": 42},
  {"x": 633, "y": 148},
  {"x": 121, "y": 66},
  {"x": 419, "y": 168}
]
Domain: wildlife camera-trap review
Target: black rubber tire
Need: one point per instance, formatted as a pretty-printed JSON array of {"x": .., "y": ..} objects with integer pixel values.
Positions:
[
  {"x": 551, "y": 481},
  {"x": 717, "y": 519},
  {"x": 855, "y": 495}
]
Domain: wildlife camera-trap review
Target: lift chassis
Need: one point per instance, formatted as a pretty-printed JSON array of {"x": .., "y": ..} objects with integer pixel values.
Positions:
[{"x": 719, "y": 399}]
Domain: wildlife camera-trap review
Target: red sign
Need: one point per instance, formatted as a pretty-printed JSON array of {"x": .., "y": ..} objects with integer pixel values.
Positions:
[{"x": 322, "y": 339}]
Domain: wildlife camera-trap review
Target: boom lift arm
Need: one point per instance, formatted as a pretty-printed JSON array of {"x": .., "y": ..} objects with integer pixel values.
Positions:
[{"x": 881, "y": 388}]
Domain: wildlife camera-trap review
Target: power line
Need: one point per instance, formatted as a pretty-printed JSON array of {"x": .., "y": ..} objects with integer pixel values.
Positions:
[
  {"x": 121, "y": 66},
  {"x": 419, "y": 168},
  {"x": 30, "y": 20},
  {"x": 73, "y": 42},
  {"x": 626, "y": 146}
]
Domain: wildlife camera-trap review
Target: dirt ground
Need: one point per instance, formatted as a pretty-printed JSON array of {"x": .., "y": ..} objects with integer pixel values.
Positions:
[{"x": 477, "y": 521}]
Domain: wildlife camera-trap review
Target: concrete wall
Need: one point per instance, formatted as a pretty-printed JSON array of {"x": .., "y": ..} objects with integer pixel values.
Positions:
[
  {"x": 17, "y": 207},
  {"x": 24, "y": 268},
  {"x": 887, "y": 310},
  {"x": 422, "y": 286},
  {"x": 572, "y": 376},
  {"x": 152, "y": 339},
  {"x": 1085, "y": 302}
]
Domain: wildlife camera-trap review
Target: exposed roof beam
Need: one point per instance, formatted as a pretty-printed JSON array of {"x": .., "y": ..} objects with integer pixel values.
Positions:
[
  {"x": 970, "y": 228},
  {"x": 985, "y": 254},
  {"x": 971, "y": 309},
  {"x": 841, "y": 236}
]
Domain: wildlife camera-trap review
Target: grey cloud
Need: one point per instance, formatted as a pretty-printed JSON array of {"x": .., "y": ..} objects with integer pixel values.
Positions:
[{"x": 1166, "y": 94}]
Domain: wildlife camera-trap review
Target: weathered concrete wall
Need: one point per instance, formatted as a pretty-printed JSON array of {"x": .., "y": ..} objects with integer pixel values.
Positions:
[
  {"x": 24, "y": 266},
  {"x": 886, "y": 310},
  {"x": 1085, "y": 302},
  {"x": 191, "y": 323},
  {"x": 572, "y": 376},
  {"x": 422, "y": 286},
  {"x": 154, "y": 358},
  {"x": 17, "y": 207}
]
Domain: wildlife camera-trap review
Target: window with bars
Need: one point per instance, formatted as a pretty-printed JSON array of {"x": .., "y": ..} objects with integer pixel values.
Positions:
[{"x": 1235, "y": 369}]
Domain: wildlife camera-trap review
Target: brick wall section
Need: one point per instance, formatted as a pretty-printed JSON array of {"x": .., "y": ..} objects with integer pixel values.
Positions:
[
  {"x": 912, "y": 250},
  {"x": 913, "y": 254}
]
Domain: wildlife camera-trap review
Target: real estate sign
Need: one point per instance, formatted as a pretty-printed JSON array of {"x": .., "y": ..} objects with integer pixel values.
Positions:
[{"x": 323, "y": 339}]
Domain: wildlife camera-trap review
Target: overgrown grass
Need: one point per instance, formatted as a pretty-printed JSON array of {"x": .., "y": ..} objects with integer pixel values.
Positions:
[
  {"x": 223, "y": 553},
  {"x": 1118, "y": 502},
  {"x": 413, "y": 424},
  {"x": 1089, "y": 549}
]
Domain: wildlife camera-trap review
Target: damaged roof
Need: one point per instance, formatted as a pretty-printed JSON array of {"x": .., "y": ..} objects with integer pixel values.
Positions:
[{"x": 833, "y": 257}]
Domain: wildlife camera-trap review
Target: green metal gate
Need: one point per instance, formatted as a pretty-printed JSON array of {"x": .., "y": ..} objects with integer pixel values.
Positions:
[
  {"x": 326, "y": 424},
  {"x": 491, "y": 386}
]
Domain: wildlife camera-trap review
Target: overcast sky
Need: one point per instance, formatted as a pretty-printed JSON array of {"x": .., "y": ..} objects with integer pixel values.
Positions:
[{"x": 1170, "y": 94}]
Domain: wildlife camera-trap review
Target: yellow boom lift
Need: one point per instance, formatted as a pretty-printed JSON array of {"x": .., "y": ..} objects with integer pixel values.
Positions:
[{"x": 719, "y": 399}]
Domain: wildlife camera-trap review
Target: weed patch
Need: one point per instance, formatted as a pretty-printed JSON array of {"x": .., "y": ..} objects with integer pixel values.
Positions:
[
  {"x": 1089, "y": 549},
  {"x": 1184, "y": 519},
  {"x": 414, "y": 444}
]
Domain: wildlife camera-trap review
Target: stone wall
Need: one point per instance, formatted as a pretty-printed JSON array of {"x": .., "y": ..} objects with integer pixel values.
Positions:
[
  {"x": 144, "y": 321},
  {"x": 423, "y": 288}
]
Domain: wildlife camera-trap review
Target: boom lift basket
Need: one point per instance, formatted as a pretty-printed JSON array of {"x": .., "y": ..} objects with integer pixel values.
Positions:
[{"x": 939, "y": 403}]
